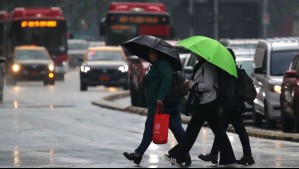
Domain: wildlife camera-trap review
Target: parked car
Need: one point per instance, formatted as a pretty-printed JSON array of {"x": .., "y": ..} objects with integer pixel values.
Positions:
[
  {"x": 31, "y": 63},
  {"x": 76, "y": 51},
  {"x": 189, "y": 65},
  {"x": 290, "y": 98},
  {"x": 105, "y": 65},
  {"x": 246, "y": 63},
  {"x": 2, "y": 77},
  {"x": 272, "y": 59}
]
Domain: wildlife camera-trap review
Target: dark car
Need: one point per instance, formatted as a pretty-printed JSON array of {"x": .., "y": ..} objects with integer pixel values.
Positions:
[
  {"x": 2, "y": 76},
  {"x": 290, "y": 98},
  {"x": 105, "y": 66},
  {"x": 32, "y": 63}
]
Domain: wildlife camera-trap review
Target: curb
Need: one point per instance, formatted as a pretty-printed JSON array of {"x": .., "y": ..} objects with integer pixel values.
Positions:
[{"x": 107, "y": 102}]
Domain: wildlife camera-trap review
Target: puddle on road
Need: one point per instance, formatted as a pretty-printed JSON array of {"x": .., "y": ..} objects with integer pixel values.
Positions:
[{"x": 17, "y": 105}]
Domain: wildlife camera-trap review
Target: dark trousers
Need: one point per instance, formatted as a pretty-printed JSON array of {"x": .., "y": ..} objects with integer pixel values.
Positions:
[
  {"x": 175, "y": 125},
  {"x": 210, "y": 113},
  {"x": 235, "y": 118}
]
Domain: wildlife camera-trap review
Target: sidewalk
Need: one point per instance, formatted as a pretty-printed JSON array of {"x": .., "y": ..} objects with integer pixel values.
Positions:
[{"x": 116, "y": 102}]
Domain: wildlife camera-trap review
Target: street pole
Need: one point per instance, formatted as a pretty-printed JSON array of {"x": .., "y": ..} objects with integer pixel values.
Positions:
[
  {"x": 216, "y": 24},
  {"x": 266, "y": 19},
  {"x": 191, "y": 8}
]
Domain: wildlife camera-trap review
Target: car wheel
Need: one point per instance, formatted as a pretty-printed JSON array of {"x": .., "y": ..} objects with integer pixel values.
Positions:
[
  {"x": 142, "y": 98},
  {"x": 133, "y": 95},
  {"x": 11, "y": 81},
  {"x": 51, "y": 82},
  {"x": 83, "y": 87},
  {"x": 46, "y": 83},
  {"x": 126, "y": 87},
  {"x": 60, "y": 76},
  {"x": 271, "y": 124},
  {"x": 1, "y": 97},
  {"x": 257, "y": 118},
  {"x": 287, "y": 124},
  {"x": 296, "y": 110}
]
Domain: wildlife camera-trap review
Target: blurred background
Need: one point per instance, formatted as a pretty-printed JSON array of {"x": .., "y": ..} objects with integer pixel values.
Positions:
[{"x": 263, "y": 18}]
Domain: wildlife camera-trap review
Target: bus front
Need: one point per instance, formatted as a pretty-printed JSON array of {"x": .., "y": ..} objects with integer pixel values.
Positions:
[
  {"x": 120, "y": 27},
  {"x": 47, "y": 31}
]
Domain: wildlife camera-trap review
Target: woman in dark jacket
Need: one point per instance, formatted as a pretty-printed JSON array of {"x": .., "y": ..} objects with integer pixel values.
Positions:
[{"x": 157, "y": 83}]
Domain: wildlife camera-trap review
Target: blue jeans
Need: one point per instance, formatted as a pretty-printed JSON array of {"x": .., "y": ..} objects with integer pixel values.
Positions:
[{"x": 175, "y": 125}]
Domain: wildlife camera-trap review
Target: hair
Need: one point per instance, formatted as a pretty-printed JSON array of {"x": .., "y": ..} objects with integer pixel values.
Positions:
[{"x": 232, "y": 53}]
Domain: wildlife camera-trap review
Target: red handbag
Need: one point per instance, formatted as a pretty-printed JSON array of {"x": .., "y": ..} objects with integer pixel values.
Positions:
[{"x": 160, "y": 128}]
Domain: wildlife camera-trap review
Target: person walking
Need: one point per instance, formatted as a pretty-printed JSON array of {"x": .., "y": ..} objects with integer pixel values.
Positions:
[
  {"x": 204, "y": 81},
  {"x": 233, "y": 108},
  {"x": 157, "y": 83}
]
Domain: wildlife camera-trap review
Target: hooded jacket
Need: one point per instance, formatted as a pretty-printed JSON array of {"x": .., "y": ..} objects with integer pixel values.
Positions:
[
  {"x": 206, "y": 79},
  {"x": 158, "y": 82}
]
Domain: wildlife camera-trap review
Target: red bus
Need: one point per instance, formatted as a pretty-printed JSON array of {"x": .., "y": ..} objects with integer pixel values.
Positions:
[
  {"x": 42, "y": 27},
  {"x": 125, "y": 21}
]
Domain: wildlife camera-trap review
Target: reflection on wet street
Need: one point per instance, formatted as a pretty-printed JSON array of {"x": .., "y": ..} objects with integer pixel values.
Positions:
[{"x": 59, "y": 127}]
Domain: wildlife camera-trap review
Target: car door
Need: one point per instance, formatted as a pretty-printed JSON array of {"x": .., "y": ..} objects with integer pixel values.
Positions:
[
  {"x": 260, "y": 78},
  {"x": 288, "y": 91},
  {"x": 296, "y": 88}
]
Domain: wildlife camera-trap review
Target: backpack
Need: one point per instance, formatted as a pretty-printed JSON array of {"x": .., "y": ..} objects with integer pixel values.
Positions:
[
  {"x": 246, "y": 91},
  {"x": 230, "y": 88},
  {"x": 177, "y": 90}
]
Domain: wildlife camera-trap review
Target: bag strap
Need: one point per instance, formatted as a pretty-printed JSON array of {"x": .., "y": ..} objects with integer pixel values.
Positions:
[{"x": 159, "y": 109}]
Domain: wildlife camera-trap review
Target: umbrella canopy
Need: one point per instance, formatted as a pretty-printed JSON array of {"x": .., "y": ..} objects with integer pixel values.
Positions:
[
  {"x": 213, "y": 51},
  {"x": 141, "y": 45}
]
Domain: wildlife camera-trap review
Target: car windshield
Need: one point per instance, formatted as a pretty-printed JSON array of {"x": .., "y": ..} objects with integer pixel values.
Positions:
[
  {"x": 104, "y": 56},
  {"x": 31, "y": 55},
  {"x": 242, "y": 46},
  {"x": 247, "y": 66},
  {"x": 78, "y": 45},
  {"x": 281, "y": 61}
]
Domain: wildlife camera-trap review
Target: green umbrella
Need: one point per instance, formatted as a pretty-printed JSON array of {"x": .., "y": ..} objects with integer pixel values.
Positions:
[{"x": 213, "y": 51}]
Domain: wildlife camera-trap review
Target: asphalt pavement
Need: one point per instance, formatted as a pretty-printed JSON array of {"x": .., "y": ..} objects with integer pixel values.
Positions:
[{"x": 58, "y": 127}]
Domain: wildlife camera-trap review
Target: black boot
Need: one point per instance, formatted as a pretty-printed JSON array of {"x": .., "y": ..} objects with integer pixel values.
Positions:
[
  {"x": 209, "y": 158},
  {"x": 133, "y": 157},
  {"x": 246, "y": 160},
  {"x": 188, "y": 161}
]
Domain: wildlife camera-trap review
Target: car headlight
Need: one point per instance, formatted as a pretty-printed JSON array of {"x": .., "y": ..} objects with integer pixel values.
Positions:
[
  {"x": 124, "y": 68},
  {"x": 16, "y": 68},
  {"x": 85, "y": 69},
  {"x": 275, "y": 88},
  {"x": 51, "y": 67}
]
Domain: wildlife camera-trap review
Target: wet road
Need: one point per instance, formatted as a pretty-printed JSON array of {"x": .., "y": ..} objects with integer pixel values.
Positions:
[{"x": 59, "y": 127}]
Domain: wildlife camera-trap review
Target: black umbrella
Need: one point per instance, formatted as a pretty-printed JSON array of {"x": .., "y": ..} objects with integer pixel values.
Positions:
[{"x": 141, "y": 45}]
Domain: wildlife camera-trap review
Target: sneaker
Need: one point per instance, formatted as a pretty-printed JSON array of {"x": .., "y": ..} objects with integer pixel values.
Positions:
[
  {"x": 246, "y": 160},
  {"x": 209, "y": 158},
  {"x": 133, "y": 157},
  {"x": 173, "y": 161}
]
